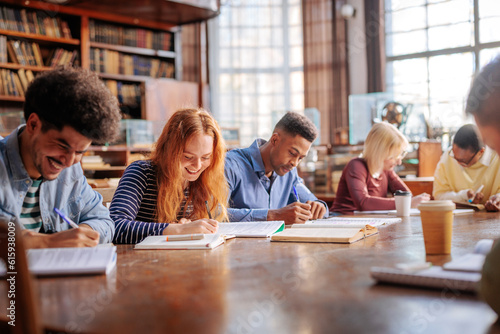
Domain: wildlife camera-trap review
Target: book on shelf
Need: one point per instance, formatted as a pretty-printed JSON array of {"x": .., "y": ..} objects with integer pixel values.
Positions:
[
  {"x": 331, "y": 233},
  {"x": 107, "y": 33},
  {"x": 69, "y": 261},
  {"x": 33, "y": 22},
  {"x": 209, "y": 241},
  {"x": 259, "y": 229},
  {"x": 462, "y": 273},
  {"x": 3, "y": 49}
]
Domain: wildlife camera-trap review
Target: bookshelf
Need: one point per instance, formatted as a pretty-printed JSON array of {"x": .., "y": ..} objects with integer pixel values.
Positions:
[{"x": 133, "y": 45}]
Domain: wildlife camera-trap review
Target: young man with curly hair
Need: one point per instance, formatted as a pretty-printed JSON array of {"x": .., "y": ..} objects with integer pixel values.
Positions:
[{"x": 66, "y": 110}]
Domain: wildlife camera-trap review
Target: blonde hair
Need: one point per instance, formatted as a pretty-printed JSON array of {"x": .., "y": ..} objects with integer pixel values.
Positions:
[
  {"x": 211, "y": 186},
  {"x": 383, "y": 141}
]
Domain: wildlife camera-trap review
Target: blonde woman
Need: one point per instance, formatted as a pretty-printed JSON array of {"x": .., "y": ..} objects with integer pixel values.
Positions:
[
  {"x": 366, "y": 181},
  {"x": 167, "y": 194}
]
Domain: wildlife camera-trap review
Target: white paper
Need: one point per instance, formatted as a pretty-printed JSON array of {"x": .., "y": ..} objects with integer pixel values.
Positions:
[
  {"x": 355, "y": 222},
  {"x": 69, "y": 261},
  {"x": 160, "y": 242},
  {"x": 261, "y": 229}
]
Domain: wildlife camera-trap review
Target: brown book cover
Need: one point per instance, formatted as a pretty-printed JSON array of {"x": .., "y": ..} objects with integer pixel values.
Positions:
[
  {"x": 12, "y": 53},
  {"x": 24, "y": 79}
]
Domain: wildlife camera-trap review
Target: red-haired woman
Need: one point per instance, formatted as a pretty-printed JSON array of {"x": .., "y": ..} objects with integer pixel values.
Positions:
[{"x": 167, "y": 194}]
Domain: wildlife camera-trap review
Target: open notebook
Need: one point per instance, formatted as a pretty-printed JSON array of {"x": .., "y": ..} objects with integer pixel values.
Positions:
[
  {"x": 463, "y": 273},
  {"x": 209, "y": 241},
  {"x": 331, "y": 233},
  {"x": 69, "y": 261},
  {"x": 354, "y": 221}
]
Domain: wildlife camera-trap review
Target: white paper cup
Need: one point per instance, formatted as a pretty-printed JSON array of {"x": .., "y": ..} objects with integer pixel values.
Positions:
[{"x": 403, "y": 203}]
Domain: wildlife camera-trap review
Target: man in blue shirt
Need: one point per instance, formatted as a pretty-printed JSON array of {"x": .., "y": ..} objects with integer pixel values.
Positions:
[
  {"x": 263, "y": 181},
  {"x": 65, "y": 110}
]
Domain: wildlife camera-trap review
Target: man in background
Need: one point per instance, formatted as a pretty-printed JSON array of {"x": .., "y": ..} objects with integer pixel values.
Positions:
[
  {"x": 484, "y": 103},
  {"x": 263, "y": 181},
  {"x": 66, "y": 109},
  {"x": 469, "y": 170}
]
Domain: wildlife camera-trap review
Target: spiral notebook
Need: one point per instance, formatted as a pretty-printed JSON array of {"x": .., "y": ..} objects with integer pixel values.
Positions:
[{"x": 462, "y": 273}]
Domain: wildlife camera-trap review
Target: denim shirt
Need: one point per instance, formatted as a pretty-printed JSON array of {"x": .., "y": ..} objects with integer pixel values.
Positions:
[
  {"x": 69, "y": 192},
  {"x": 252, "y": 194}
]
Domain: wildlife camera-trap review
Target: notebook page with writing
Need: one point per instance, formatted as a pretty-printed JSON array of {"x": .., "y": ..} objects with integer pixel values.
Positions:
[{"x": 260, "y": 229}]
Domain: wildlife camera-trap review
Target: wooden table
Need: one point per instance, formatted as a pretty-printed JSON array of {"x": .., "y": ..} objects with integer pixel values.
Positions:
[{"x": 257, "y": 286}]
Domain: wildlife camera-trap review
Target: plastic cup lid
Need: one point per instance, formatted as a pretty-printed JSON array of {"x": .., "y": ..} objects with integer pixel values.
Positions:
[{"x": 446, "y": 205}]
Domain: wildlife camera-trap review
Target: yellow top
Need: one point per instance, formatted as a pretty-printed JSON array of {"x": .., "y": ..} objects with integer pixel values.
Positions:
[{"x": 452, "y": 181}]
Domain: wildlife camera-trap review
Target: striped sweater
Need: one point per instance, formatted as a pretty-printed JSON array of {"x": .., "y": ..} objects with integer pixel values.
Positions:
[{"x": 134, "y": 204}]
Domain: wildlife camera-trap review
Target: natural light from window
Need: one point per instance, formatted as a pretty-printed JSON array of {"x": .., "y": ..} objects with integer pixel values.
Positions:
[
  {"x": 433, "y": 49},
  {"x": 256, "y": 64}
]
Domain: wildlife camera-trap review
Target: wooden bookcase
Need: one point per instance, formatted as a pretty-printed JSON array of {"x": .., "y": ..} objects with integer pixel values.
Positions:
[{"x": 128, "y": 43}]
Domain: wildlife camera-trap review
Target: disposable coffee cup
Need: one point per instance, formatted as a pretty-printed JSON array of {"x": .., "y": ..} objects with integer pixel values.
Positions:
[
  {"x": 403, "y": 203},
  {"x": 437, "y": 225}
]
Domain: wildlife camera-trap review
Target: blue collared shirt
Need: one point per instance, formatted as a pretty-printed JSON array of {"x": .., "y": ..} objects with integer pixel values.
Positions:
[
  {"x": 252, "y": 193},
  {"x": 69, "y": 192}
]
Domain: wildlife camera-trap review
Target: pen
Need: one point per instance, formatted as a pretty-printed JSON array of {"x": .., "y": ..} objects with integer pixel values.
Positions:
[
  {"x": 208, "y": 210},
  {"x": 296, "y": 194},
  {"x": 183, "y": 237},
  {"x": 477, "y": 192},
  {"x": 66, "y": 219}
]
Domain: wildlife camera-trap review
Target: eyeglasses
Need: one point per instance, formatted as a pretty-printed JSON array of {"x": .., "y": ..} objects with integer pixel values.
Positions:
[
  {"x": 402, "y": 155},
  {"x": 462, "y": 162},
  {"x": 399, "y": 157}
]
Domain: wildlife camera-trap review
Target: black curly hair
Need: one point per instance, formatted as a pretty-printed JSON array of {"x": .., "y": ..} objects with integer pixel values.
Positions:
[
  {"x": 296, "y": 124},
  {"x": 74, "y": 97}
]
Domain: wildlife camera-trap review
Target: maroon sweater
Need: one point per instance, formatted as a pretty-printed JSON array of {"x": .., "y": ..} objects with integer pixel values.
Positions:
[{"x": 358, "y": 190}]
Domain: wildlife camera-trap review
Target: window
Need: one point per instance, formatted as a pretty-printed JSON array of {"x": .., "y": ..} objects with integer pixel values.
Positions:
[
  {"x": 433, "y": 49},
  {"x": 256, "y": 64}
]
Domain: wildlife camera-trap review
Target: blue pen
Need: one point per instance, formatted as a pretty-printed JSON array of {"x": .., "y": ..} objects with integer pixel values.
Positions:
[
  {"x": 296, "y": 194},
  {"x": 66, "y": 219}
]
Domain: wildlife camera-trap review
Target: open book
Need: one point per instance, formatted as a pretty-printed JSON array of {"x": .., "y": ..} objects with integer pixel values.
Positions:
[
  {"x": 413, "y": 212},
  {"x": 261, "y": 229},
  {"x": 69, "y": 261},
  {"x": 209, "y": 241},
  {"x": 463, "y": 273},
  {"x": 354, "y": 221},
  {"x": 467, "y": 205},
  {"x": 327, "y": 233}
]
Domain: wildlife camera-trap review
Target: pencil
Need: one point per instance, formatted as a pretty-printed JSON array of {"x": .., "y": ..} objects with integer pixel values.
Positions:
[
  {"x": 182, "y": 237},
  {"x": 208, "y": 210}
]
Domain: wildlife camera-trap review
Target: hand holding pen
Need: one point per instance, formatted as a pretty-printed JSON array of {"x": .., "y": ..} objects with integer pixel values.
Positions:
[
  {"x": 77, "y": 236},
  {"x": 477, "y": 196}
]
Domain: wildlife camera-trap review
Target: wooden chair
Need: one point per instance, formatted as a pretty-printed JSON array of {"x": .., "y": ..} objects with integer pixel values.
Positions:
[
  {"x": 27, "y": 318},
  {"x": 107, "y": 195}
]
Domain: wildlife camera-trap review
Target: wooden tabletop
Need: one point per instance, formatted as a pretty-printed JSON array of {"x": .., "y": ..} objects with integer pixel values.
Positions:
[{"x": 258, "y": 286}]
